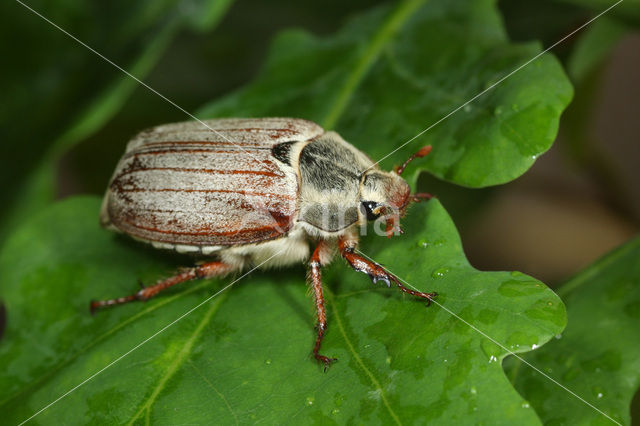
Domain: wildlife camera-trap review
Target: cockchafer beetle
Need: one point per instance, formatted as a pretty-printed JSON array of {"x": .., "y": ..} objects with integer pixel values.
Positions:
[{"x": 248, "y": 191}]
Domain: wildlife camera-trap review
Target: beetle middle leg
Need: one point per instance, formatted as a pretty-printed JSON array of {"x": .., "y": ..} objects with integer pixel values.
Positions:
[
  {"x": 315, "y": 279},
  {"x": 206, "y": 270},
  {"x": 375, "y": 271}
]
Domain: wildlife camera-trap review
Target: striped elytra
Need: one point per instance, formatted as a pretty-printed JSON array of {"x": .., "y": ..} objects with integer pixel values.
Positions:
[{"x": 184, "y": 184}]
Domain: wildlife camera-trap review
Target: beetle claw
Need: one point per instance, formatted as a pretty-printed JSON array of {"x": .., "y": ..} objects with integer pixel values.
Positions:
[
  {"x": 326, "y": 361},
  {"x": 386, "y": 280}
]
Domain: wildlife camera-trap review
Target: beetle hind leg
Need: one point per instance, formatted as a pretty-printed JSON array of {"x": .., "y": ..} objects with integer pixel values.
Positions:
[{"x": 206, "y": 270}]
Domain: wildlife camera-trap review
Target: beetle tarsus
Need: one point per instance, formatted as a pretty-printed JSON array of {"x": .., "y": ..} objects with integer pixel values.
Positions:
[
  {"x": 99, "y": 304},
  {"x": 428, "y": 296},
  {"x": 326, "y": 361}
]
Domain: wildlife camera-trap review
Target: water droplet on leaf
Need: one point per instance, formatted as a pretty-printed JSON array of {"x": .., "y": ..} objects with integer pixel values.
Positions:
[{"x": 440, "y": 272}]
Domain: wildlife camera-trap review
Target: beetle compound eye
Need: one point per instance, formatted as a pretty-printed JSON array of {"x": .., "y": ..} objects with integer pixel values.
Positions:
[{"x": 368, "y": 208}]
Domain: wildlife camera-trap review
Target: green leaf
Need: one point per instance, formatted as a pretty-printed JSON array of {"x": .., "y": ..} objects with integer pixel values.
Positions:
[
  {"x": 597, "y": 355},
  {"x": 43, "y": 76},
  {"x": 392, "y": 73},
  {"x": 627, "y": 10},
  {"x": 587, "y": 67},
  {"x": 594, "y": 47},
  {"x": 244, "y": 356}
]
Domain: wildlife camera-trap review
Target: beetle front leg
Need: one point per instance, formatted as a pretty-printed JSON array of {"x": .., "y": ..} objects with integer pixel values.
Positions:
[
  {"x": 315, "y": 279},
  {"x": 206, "y": 270},
  {"x": 375, "y": 271}
]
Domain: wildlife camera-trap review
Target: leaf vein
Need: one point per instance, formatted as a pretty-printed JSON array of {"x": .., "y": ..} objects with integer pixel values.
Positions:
[
  {"x": 50, "y": 373},
  {"x": 368, "y": 58},
  {"x": 359, "y": 361},
  {"x": 180, "y": 358}
]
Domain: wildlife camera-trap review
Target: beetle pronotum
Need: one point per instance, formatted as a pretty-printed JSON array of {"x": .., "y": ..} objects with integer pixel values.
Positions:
[{"x": 279, "y": 186}]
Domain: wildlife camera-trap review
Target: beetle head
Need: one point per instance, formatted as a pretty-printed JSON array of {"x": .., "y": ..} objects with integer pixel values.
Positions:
[{"x": 386, "y": 195}]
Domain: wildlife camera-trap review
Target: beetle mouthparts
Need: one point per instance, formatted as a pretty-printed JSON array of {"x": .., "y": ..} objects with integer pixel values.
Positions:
[{"x": 393, "y": 227}]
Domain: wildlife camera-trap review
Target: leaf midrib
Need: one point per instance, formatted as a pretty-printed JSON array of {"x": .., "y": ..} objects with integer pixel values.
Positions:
[
  {"x": 357, "y": 358},
  {"x": 181, "y": 357},
  {"x": 368, "y": 58}
]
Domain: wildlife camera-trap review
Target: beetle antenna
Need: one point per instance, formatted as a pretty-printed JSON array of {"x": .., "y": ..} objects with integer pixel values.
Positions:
[
  {"x": 421, "y": 196},
  {"x": 421, "y": 153}
]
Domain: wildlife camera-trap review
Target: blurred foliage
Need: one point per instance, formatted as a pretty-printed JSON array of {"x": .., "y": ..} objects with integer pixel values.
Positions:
[
  {"x": 62, "y": 103},
  {"x": 597, "y": 355},
  {"x": 585, "y": 66},
  {"x": 627, "y": 10},
  {"x": 58, "y": 92}
]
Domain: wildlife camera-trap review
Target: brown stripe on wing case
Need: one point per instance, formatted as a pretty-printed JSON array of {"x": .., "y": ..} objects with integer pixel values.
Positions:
[
  {"x": 207, "y": 130},
  {"x": 285, "y": 131},
  {"x": 184, "y": 151},
  {"x": 259, "y": 194},
  {"x": 207, "y": 171},
  {"x": 207, "y": 232},
  {"x": 225, "y": 144},
  {"x": 257, "y": 129}
]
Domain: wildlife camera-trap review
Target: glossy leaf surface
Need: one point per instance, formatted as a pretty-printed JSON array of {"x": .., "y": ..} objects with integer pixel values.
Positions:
[
  {"x": 245, "y": 355},
  {"x": 597, "y": 355}
]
